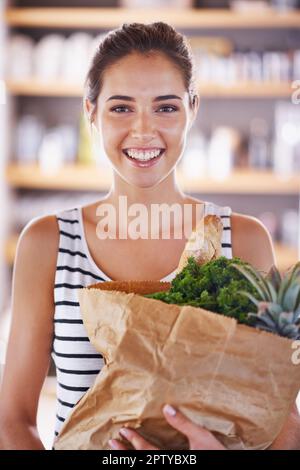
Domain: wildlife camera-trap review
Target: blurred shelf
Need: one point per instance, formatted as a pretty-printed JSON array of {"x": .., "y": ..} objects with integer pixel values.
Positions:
[
  {"x": 285, "y": 255},
  {"x": 246, "y": 181},
  {"x": 95, "y": 18},
  {"x": 246, "y": 90},
  {"x": 90, "y": 178},
  {"x": 70, "y": 177},
  {"x": 38, "y": 88},
  {"x": 241, "y": 90}
]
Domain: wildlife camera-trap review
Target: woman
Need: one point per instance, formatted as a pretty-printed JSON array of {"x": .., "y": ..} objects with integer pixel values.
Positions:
[{"x": 141, "y": 100}]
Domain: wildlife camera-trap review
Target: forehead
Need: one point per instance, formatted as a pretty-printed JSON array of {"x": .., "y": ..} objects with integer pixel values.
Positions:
[{"x": 140, "y": 74}]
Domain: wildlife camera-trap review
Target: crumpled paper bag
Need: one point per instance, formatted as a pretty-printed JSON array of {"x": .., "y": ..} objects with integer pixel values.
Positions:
[{"x": 238, "y": 382}]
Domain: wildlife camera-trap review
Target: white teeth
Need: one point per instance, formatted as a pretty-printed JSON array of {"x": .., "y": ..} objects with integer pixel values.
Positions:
[{"x": 138, "y": 155}]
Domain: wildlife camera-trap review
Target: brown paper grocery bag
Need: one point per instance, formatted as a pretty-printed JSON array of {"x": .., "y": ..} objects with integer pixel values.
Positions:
[{"x": 238, "y": 382}]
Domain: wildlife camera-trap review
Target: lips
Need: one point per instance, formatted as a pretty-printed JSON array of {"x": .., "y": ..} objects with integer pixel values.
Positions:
[{"x": 144, "y": 163}]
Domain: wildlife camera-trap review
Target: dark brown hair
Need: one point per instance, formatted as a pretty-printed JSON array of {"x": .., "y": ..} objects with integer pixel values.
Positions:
[{"x": 145, "y": 39}]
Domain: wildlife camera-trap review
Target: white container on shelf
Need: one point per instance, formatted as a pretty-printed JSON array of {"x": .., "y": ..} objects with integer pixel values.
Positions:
[
  {"x": 287, "y": 139},
  {"x": 28, "y": 139},
  {"x": 19, "y": 57},
  {"x": 48, "y": 56},
  {"x": 51, "y": 152},
  {"x": 69, "y": 136},
  {"x": 221, "y": 152},
  {"x": 75, "y": 57},
  {"x": 194, "y": 160},
  {"x": 283, "y": 156}
]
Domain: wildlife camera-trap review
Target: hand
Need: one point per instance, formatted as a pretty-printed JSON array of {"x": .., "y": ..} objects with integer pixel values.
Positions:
[
  {"x": 289, "y": 436},
  {"x": 199, "y": 438}
]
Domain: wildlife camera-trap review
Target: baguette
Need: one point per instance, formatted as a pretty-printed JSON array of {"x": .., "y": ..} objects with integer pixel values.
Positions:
[{"x": 205, "y": 242}]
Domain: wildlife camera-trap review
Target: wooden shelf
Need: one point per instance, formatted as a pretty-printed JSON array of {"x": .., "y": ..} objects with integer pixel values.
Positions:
[
  {"x": 38, "y": 88},
  {"x": 71, "y": 177},
  {"x": 95, "y": 18},
  {"x": 242, "y": 182},
  {"x": 90, "y": 178},
  {"x": 210, "y": 90},
  {"x": 285, "y": 255},
  {"x": 246, "y": 90}
]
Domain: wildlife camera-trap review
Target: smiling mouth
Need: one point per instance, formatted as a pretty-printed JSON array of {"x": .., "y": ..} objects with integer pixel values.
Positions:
[{"x": 142, "y": 156}]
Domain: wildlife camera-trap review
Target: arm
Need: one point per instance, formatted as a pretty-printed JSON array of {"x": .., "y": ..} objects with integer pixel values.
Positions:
[
  {"x": 252, "y": 242},
  {"x": 29, "y": 347}
]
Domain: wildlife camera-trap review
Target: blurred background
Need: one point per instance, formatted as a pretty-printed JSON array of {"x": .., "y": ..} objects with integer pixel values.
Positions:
[{"x": 244, "y": 149}]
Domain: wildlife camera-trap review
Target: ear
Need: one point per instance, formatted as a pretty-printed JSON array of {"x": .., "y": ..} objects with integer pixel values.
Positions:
[
  {"x": 196, "y": 103},
  {"x": 88, "y": 108},
  {"x": 194, "y": 111}
]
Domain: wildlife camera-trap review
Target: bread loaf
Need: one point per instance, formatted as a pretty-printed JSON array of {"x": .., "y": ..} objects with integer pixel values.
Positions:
[{"x": 205, "y": 242}]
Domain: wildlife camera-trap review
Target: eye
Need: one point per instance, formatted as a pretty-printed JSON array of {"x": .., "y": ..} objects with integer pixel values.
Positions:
[
  {"x": 117, "y": 109},
  {"x": 168, "y": 109}
]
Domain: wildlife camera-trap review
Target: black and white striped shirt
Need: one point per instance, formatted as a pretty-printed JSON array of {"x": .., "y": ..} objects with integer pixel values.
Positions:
[{"x": 77, "y": 362}]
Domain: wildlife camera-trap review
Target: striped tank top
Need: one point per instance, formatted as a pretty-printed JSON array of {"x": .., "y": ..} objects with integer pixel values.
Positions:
[{"x": 76, "y": 360}]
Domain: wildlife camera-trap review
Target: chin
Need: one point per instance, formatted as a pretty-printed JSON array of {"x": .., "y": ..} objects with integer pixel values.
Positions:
[
  {"x": 144, "y": 180},
  {"x": 144, "y": 183}
]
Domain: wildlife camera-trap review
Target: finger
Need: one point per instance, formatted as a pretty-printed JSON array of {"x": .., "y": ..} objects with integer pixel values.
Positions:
[
  {"x": 199, "y": 437},
  {"x": 116, "y": 445},
  {"x": 138, "y": 442},
  {"x": 180, "y": 422}
]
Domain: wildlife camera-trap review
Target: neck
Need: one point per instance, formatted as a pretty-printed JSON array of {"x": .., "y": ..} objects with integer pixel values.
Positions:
[{"x": 167, "y": 192}]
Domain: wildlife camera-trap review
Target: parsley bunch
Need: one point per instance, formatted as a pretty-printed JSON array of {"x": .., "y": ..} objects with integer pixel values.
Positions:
[{"x": 213, "y": 286}]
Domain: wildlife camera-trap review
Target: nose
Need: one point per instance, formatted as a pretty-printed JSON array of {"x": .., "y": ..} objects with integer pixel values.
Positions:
[{"x": 143, "y": 126}]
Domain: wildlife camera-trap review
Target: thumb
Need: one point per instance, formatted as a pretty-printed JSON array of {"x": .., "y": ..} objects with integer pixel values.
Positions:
[{"x": 199, "y": 438}]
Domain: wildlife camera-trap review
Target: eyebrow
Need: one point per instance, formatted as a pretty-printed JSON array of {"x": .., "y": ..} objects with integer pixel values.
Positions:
[{"x": 158, "y": 98}]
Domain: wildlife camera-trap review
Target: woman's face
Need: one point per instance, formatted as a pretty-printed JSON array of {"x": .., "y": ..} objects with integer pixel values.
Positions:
[{"x": 143, "y": 116}]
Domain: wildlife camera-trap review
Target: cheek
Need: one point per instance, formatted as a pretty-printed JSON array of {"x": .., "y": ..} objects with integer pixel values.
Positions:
[
  {"x": 113, "y": 133},
  {"x": 175, "y": 125},
  {"x": 175, "y": 132}
]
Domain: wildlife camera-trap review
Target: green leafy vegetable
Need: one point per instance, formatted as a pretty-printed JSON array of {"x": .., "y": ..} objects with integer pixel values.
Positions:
[{"x": 215, "y": 286}]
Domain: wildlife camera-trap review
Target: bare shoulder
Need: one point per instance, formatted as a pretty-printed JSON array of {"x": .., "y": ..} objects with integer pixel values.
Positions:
[
  {"x": 38, "y": 242},
  {"x": 38, "y": 227},
  {"x": 35, "y": 265},
  {"x": 252, "y": 242}
]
